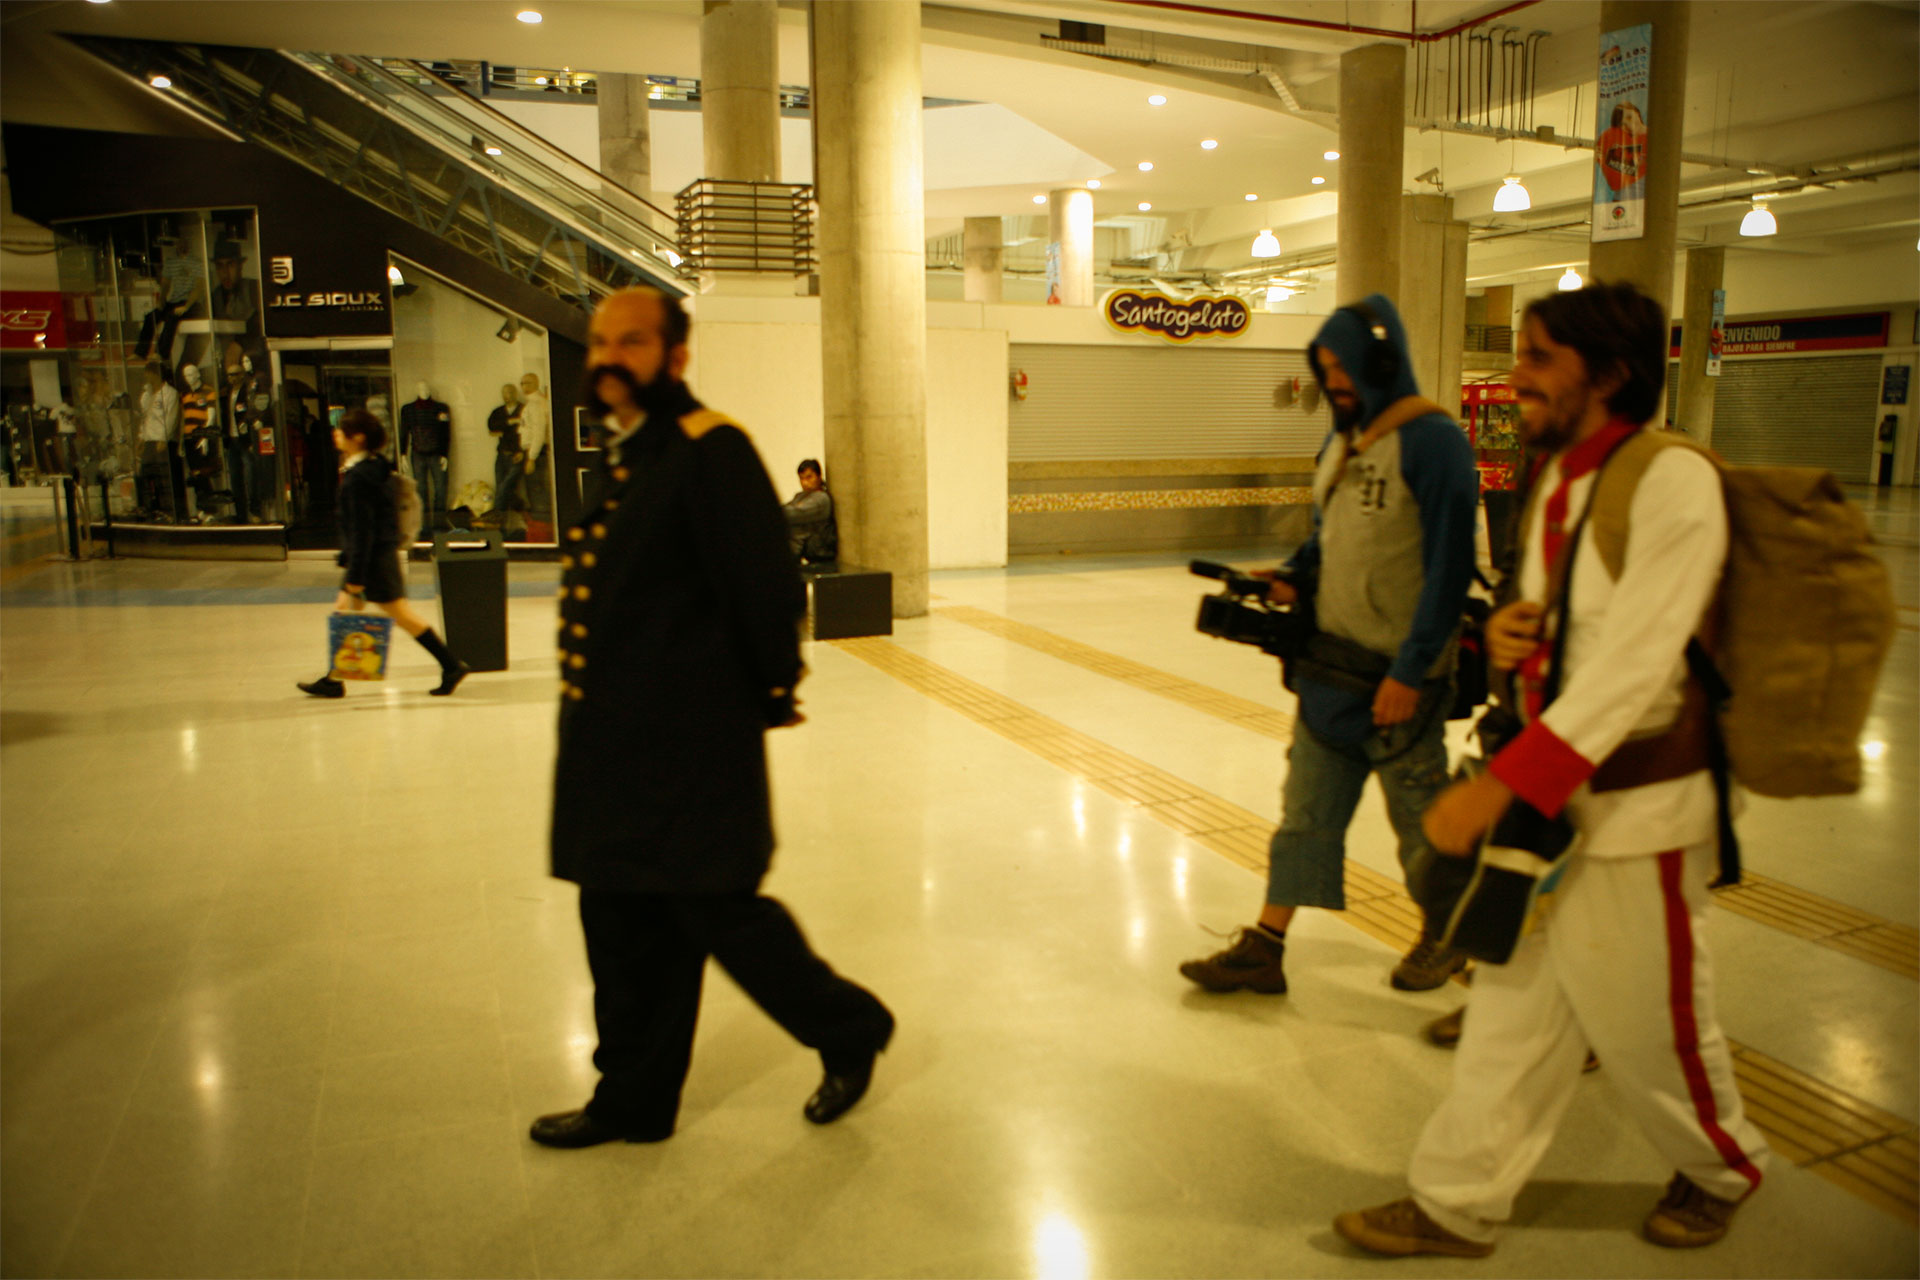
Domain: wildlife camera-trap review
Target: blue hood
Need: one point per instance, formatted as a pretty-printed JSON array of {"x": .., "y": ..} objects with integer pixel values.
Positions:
[{"x": 1346, "y": 335}]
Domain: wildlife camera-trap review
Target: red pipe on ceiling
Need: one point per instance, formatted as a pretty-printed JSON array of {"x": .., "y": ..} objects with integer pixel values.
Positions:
[{"x": 1418, "y": 37}]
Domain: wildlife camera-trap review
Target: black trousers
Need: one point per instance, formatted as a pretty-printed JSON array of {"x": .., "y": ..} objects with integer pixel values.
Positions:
[{"x": 648, "y": 953}]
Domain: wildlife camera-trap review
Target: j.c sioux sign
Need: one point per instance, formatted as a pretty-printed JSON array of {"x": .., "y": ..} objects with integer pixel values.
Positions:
[{"x": 1175, "y": 319}]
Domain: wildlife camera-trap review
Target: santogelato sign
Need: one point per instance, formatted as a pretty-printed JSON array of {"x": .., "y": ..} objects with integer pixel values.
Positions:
[{"x": 1176, "y": 319}]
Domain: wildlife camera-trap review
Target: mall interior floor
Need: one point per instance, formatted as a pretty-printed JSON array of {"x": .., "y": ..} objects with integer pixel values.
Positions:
[{"x": 283, "y": 981}]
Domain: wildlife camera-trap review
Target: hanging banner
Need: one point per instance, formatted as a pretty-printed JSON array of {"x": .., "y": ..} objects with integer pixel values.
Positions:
[
  {"x": 1717, "y": 335},
  {"x": 1180, "y": 320},
  {"x": 1767, "y": 337},
  {"x": 1620, "y": 155}
]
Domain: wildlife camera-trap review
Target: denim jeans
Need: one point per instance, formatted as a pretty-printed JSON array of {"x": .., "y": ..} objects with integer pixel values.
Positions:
[
  {"x": 507, "y": 477},
  {"x": 430, "y": 478},
  {"x": 1305, "y": 862}
]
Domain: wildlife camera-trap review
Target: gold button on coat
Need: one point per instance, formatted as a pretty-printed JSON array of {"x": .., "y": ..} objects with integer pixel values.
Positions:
[
  {"x": 575, "y": 692},
  {"x": 579, "y": 631},
  {"x": 574, "y": 535},
  {"x": 588, "y": 560},
  {"x": 599, "y": 531},
  {"x": 577, "y": 661},
  {"x": 621, "y": 474},
  {"x": 580, "y": 592}
]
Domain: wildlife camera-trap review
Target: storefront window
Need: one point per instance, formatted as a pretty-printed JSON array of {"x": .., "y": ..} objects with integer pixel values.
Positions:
[
  {"x": 475, "y": 411},
  {"x": 167, "y": 361}
]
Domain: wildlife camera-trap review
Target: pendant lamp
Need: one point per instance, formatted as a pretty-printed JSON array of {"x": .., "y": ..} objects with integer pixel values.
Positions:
[
  {"x": 1759, "y": 221},
  {"x": 1266, "y": 245},
  {"x": 1570, "y": 280},
  {"x": 1511, "y": 197}
]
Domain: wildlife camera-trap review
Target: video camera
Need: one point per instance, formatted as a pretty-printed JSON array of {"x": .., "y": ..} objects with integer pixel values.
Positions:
[{"x": 1242, "y": 613}]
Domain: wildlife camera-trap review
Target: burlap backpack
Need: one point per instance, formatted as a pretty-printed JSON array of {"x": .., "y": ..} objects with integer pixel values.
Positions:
[{"x": 1802, "y": 621}]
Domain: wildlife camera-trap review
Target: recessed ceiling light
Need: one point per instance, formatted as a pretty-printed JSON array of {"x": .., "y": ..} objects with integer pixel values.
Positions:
[
  {"x": 1146, "y": 166},
  {"x": 493, "y": 151},
  {"x": 1093, "y": 184},
  {"x": 160, "y": 82},
  {"x": 1039, "y": 199},
  {"x": 96, "y": 1},
  {"x": 394, "y": 276},
  {"x": 539, "y": 79},
  {"x": 529, "y": 16},
  {"x": 1208, "y": 144},
  {"x": 1319, "y": 181},
  {"x": 1145, "y": 205},
  {"x": 1252, "y": 196},
  {"x": 1329, "y": 155},
  {"x": 1157, "y": 100}
]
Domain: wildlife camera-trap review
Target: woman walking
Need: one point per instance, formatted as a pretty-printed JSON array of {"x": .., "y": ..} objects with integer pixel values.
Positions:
[{"x": 370, "y": 549}]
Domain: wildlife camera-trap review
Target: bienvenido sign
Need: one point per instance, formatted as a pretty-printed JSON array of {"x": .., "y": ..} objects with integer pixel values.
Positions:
[{"x": 1176, "y": 319}]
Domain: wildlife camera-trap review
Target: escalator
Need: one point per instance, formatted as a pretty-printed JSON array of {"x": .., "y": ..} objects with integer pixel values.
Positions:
[{"x": 392, "y": 132}]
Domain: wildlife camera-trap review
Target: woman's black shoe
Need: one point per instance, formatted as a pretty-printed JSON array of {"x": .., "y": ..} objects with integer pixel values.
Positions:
[
  {"x": 450, "y": 678},
  {"x": 324, "y": 687},
  {"x": 574, "y": 1129}
]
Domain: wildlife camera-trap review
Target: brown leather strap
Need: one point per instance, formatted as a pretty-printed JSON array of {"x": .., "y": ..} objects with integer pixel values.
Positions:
[{"x": 1682, "y": 750}]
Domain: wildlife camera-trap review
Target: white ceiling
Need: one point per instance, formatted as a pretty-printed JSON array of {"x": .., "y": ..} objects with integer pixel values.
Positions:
[{"x": 1778, "y": 84}]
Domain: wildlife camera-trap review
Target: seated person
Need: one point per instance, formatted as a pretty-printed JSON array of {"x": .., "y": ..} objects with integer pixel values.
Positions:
[{"x": 810, "y": 524}]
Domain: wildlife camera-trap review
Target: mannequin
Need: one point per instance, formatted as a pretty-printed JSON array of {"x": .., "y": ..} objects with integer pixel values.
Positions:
[
  {"x": 504, "y": 423},
  {"x": 200, "y": 436},
  {"x": 250, "y": 445},
  {"x": 426, "y": 427},
  {"x": 536, "y": 427}
]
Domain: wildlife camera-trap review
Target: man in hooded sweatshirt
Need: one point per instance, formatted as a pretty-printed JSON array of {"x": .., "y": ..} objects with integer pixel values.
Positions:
[{"x": 1386, "y": 571}]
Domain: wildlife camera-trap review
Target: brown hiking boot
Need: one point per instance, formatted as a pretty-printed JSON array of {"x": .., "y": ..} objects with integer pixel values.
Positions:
[
  {"x": 1404, "y": 1229},
  {"x": 1426, "y": 966},
  {"x": 1252, "y": 962},
  {"x": 1688, "y": 1217}
]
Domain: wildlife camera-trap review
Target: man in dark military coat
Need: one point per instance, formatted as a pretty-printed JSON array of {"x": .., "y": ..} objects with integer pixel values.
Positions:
[{"x": 679, "y": 648}]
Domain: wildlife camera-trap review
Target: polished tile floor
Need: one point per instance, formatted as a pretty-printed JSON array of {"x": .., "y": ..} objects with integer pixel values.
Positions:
[{"x": 282, "y": 981}]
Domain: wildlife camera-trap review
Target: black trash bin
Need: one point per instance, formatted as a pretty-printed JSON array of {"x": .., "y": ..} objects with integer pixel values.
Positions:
[{"x": 471, "y": 569}]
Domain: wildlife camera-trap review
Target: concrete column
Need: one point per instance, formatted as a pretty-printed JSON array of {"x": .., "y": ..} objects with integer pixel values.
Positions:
[
  {"x": 1373, "y": 111},
  {"x": 984, "y": 258},
  {"x": 1432, "y": 294},
  {"x": 740, "y": 90},
  {"x": 1692, "y": 393},
  {"x": 1070, "y": 225},
  {"x": 1648, "y": 261},
  {"x": 870, "y": 173},
  {"x": 626, "y": 134}
]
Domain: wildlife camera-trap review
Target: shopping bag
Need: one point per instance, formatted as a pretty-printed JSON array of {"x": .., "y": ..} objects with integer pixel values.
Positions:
[{"x": 357, "y": 645}]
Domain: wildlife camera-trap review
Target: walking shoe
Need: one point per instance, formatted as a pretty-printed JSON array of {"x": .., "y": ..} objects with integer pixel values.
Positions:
[
  {"x": 1252, "y": 962},
  {"x": 1427, "y": 966},
  {"x": 324, "y": 687},
  {"x": 450, "y": 678},
  {"x": 1404, "y": 1229},
  {"x": 1688, "y": 1217}
]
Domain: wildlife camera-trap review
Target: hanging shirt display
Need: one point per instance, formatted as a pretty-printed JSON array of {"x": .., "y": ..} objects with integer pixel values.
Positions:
[{"x": 428, "y": 426}]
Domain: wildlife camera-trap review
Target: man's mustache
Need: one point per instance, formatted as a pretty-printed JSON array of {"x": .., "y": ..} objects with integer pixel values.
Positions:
[{"x": 636, "y": 390}]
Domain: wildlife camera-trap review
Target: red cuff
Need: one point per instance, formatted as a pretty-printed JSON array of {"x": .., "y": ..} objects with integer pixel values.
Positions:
[{"x": 1541, "y": 769}]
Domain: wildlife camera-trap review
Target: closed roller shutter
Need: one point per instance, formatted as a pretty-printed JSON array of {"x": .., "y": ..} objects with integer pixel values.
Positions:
[
  {"x": 1158, "y": 402},
  {"x": 1816, "y": 412}
]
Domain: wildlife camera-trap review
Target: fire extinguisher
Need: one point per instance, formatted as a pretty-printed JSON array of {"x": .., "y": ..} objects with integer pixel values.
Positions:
[{"x": 1019, "y": 381}]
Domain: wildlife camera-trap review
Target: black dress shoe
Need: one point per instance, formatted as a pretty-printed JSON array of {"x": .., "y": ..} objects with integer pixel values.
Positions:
[
  {"x": 324, "y": 687},
  {"x": 571, "y": 1129}
]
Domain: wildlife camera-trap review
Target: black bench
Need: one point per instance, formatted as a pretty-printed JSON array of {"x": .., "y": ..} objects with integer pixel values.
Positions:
[{"x": 845, "y": 601}]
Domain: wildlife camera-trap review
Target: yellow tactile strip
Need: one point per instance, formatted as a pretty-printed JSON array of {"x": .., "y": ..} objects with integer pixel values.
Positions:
[
  {"x": 1866, "y": 1150},
  {"x": 1020, "y": 504},
  {"x": 1820, "y": 920},
  {"x": 1232, "y": 708}
]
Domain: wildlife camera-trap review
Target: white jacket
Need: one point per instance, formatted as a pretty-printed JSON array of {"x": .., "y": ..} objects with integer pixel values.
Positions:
[{"x": 1626, "y": 663}]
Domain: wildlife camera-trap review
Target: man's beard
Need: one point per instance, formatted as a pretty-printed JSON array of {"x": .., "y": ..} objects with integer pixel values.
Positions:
[
  {"x": 648, "y": 397},
  {"x": 1561, "y": 420}
]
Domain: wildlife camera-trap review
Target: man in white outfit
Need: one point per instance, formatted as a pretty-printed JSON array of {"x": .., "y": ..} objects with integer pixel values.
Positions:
[{"x": 1617, "y": 961}]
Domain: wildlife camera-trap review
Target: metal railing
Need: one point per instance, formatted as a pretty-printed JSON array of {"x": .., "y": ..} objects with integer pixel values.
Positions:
[
  {"x": 1489, "y": 337},
  {"x": 443, "y": 161},
  {"x": 747, "y": 227}
]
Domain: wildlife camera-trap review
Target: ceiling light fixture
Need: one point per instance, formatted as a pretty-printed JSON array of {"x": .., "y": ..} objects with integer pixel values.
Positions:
[
  {"x": 529, "y": 16},
  {"x": 539, "y": 79},
  {"x": 1093, "y": 184},
  {"x": 493, "y": 151},
  {"x": 1570, "y": 280},
  {"x": 1039, "y": 199},
  {"x": 1146, "y": 166},
  {"x": 1266, "y": 244},
  {"x": 1145, "y": 205},
  {"x": 1157, "y": 100},
  {"x": 1252, "y": 196},
  {"x": 159, "y": 82},
  {"x": 1208, "y": 144},
  {"x": 1277, "y": 293},
  {"x": 1759, "y": 221},
  {"x": 1319, "y": 181},
  {"x": 1511, "y": 197},
  {"x": 394, "y": 276},
  {"x": 674, "y": 259},
  {"x": 1329, "y": 155}
]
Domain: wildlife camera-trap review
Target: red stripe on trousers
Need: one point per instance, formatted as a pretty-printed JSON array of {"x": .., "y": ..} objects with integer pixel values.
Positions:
[{"x": 1686, "y": 1027}]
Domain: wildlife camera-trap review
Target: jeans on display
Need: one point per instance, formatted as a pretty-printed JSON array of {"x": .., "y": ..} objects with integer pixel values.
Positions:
[
  {"x": 239, "y": 475},
  {"x": 509, "y": 475},
  {"x": 266, "y": 481},
  {"x": 1306, "y": 856},
  {"x": 165, "y": 315},
  {"x": 430, "y": 475}
]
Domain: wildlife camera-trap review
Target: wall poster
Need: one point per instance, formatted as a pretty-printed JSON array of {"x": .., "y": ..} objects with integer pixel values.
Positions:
[
  {"x": 1620, "y": 154},
  {"x": 1717, "y": 335}
]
